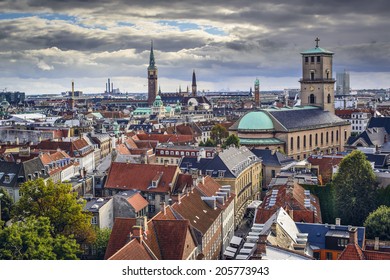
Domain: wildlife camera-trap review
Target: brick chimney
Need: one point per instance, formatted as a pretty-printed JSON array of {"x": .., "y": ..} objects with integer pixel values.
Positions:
[
  {"x": 261, "y": 247},
  {"x": 353, "y": 236},
  {"x": 137, "y": 233}
]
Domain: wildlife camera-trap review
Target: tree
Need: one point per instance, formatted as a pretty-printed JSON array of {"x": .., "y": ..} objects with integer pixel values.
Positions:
[
  {"x": 232, "y": 140},
  {"x": 32, "y": 240},
  {"x": 356, "y": 189},
  {"x": 218, "y": 132},
  {"x": 210, "y": 143},
  {"x": 5, "y": 205},
  {"x": 100, "y": 244},
  {"x": 60, "y": 205},
  {"x": 378, "y": 223}
]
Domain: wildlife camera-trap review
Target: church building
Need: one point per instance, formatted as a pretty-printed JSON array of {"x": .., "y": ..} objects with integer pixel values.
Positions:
[{"x": 312, "y": 127}]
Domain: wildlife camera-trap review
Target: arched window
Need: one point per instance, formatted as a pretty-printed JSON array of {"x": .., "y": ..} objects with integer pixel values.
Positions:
[
  {"x": 312, "y": 75},
  {"x": 329, "y": 99},
  {"x": 331, "y": 137},
  {"x": 304, "y": 141},
  {"x": 312, "y": 99},
  {"x": 292, "y": 143},
  {"x": 327, "y": 137},
  {"x": 310, "y": 140},
  {"x": 316, "y": 140},
  {"x": 337, "y": 136},
  {"x": 322, "y": 138}
]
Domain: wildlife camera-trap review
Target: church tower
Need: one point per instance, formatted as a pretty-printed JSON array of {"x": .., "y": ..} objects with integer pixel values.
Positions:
[
  {"x": 152, "y": 78},
  {"x": 257, "y": 93},
  {"x": 317, "y": 84},
  {"x": 194, "y": 89}
]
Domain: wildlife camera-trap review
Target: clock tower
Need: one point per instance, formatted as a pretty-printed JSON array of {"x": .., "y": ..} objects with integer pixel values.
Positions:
[
  {"x": 317, "y": 84},
  {"x": 152, "y": 78}
]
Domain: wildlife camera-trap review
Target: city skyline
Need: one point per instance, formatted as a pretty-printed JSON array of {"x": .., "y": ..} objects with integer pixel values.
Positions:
[{"x": 47, "y": 44}]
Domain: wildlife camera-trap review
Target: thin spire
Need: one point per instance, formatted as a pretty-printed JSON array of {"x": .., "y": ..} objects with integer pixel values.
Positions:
[
  {"x": 151, "y": 59},
  {"x": 193, "y": 78}
]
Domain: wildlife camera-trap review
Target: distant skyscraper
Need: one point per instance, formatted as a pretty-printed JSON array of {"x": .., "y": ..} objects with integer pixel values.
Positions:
[
  {"x": 152, "y": 78},
  {"x": 342, "y": 83},
  {"x": 194, "y": 89}
]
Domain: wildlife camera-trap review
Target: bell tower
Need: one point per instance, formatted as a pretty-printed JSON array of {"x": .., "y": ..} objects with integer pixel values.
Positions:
[
  {"x": 152, "y": 78},
  {"x": 317, "y": 84}
]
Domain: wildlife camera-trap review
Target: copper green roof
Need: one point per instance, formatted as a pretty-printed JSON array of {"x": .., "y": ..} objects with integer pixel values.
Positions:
[
  {"x": 317, "y": 50},
  {"x": 260, "y": 141},
  {"x": 258, "y": 120}
]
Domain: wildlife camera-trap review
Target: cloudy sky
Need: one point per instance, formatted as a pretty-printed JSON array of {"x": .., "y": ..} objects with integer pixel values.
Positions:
[{"x": 45, "y": 44}]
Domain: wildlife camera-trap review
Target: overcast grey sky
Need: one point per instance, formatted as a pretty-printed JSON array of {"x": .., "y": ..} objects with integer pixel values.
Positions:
[{"x": 45, "y": 44}]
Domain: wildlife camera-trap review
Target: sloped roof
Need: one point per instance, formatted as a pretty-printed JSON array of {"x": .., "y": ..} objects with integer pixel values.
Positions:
[
  {"x": 166, "y": 138},
  {"x": 171, "y": 237},
  {"x": 270, "y": 158},
  {"x": 119, "y": 235},
  {"x": 137, "y": 202},
  {"x": 127, "y": 176},
  {"x": 380, "y": 122},
  {"x": 317, "y": 50}
]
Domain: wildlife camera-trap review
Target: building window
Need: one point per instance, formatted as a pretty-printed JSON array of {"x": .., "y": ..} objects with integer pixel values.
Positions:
[
  {"x": 298, "y": 142},
  {"x": 318, "y": 58},
  {"x": 327, "y": 137},
  {"x": 312, "y": 99},
  {"x": 316, "y": 255},
  {"x": 177, "y": 153},
  {"x": 94, "y": 220},
  {"x": 329, "y": 255},
  {"x": 329, "y": 99},
  {"x": 292, "y": 143},
  {"x": 322, "y": 138},
  {"x": 151, "y": 208},
  {"x": 162, "y": 152},
  {"x": 312, "y": 59},
  {"x": 162, "y": 197},
  {"x": 304, "y": 141},
  {"x": 306, "y": 59},
  {"x": 331, "y": 136},
  {"x": 310, "y": 140},
  {"x": 345, "y": 134},
  {"x": 273, "y": 173},
  {"x": 312, "y": 75}
]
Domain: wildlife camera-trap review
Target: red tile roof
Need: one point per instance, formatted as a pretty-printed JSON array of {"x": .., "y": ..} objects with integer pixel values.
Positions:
[
  {"x": 292, "y": 202},
  {"x": 171, "y": 237},
  {"x": 122, "y": 149},
  {"x": 354, "y": 252},
  {"x": 137, "y": 202},
  {"x": 325, "y": 165},
  {"x": 131, "y": 176},
  {"x": 166, "y": 138},
  {"x": 119, "y": 235},
  {"x": 194, "y": 209},
  {"x": 132, "y": 251}
]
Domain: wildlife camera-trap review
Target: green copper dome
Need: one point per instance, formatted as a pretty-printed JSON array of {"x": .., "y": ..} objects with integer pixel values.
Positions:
[
  {"x": 158, "y": 102},
  {"x": 256, "y": 121},
  {"x": 317, "y": 50}
]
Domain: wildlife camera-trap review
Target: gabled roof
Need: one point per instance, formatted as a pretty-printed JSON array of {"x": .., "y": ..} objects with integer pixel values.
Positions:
[
  {"x": 166, "y": 138},
  {"x": 131, "y": 176},
  {"x": 119, "y": 235},
  {"x": 172, "y": 238},
  {"x": 137, "y": 202},
  {"x": 270, "y": 158},
  {"x": 380, "y": 122}
]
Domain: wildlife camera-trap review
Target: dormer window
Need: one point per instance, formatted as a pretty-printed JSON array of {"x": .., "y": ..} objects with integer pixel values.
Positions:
[{"x": 8, "y": 178}]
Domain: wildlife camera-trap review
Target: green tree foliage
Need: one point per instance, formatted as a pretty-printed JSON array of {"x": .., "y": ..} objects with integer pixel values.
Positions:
[
  {"x": 60, "y": 205},
  {"x": 6, "y": 205},
  {"x": 384, "y": 196},
  {"x": 326, "y": 196},
  {"x": 201, "y": 144},
  {"x": 378, "y": 223},
  {"x": 102, "y": 238},
  {"x": 32, "y": 240},
  {"x": 210, "y": 143},
  {"x": 356, "y": 189},
  {"x": 232, "y": 140},
  {"x": 218, "y": 133}
]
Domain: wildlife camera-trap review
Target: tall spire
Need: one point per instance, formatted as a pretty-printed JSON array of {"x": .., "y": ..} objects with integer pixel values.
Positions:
[
  {"x": 151, "y": 59},
  {"x": 194, "y": 89}
]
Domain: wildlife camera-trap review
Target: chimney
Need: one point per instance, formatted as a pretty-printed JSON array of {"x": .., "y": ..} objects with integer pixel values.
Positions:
[
  {"x": 338, "y": 221},
  {"x": 170, "y": 201},
  {"x": 137, "y": 233},
  {"x": 163, "y": 210},
  {"x": 353, "y": 236},
  {"x": 376, "y": 244},
  {"x": 143, "y": 223},
  {"x": 261, "y": 247}
]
